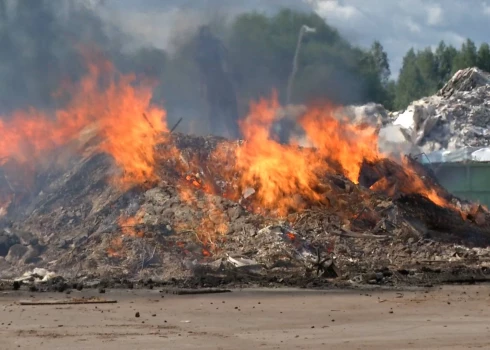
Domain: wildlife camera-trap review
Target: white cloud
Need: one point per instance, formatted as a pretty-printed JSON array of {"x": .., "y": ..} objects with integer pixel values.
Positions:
[
  {"x": 486, "y": 8},
  {"x": 402, "y": 24},
  {"x": 434, "y": 15},
  {"x": 334, "y": 8},
  {"x": 412, "y": 26}
]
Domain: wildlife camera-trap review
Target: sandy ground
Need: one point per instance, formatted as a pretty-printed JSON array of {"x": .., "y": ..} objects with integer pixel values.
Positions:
[{"x": 441, "y": 318}]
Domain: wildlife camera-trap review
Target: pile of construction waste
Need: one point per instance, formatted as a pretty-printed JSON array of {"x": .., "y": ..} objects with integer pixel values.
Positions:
[
  {"x": 455, "y": 118},
  {"x": 196, "y": 223},
  {"x": 81, "y": 227}
]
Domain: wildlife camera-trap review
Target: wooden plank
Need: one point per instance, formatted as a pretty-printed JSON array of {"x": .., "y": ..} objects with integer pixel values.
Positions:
[
  {"x": 195, "y": 291},
  {"x": 67, "y": 302}
]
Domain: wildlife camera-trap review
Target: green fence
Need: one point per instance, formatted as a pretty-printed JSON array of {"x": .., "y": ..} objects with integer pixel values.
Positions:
[{"x": 469, "y": 180}]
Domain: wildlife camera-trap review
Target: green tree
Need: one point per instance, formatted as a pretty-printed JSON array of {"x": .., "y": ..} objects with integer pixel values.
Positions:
[
  {"x": 390, "y": 95},
  {"x": 381, "y": 62},
  {"x": 410, "y": 85},
  {"x": 484, "y": 57},
  {"x": 329, "y": 67},
  {"x": 445, "y": 56},
  {"x": 466, "y": 57},
  {"x": 428, "y": 67}
]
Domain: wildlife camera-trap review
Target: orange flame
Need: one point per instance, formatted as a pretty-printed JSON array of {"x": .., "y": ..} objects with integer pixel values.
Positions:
[
  {"x": 115, "y": 248},
  {"x": 282, "y": 172},
  {"x": 124, "y": 120},
  {"x": 340, "y": 143},
  {"x": 128, "y": 226}
]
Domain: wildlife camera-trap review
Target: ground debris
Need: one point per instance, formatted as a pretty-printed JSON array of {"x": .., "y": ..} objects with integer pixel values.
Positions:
[
  {"x": 73, "y": 301},
  {"x": 195, "y": 291}
]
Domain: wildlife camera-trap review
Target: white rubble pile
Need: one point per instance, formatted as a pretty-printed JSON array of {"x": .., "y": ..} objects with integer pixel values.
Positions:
[{"x": 457, "y": 117}]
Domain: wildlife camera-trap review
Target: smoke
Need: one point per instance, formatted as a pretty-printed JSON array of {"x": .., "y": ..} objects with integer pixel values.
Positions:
[
  {"x": 40, "y": 45},
  {"x": 172, "y": 26},
  {"x": 167, "y": 24},
  {"x": 40, "y": 49}
]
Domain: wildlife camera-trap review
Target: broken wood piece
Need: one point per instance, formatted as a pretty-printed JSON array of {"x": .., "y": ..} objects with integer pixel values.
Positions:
[
  {"x": 195, "y": 291},
  {"x": 176, "y": 125},
  {"x": 346, "y": 233},
  {"x": 148, "y": 121},
  {"x": 67, "y": 302}
]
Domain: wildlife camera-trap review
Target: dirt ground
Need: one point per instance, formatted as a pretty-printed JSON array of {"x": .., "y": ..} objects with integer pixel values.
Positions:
[{"x": 452, "y": 317}]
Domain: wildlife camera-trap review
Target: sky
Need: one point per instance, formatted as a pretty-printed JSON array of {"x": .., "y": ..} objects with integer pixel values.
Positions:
[
  {"x": 397, "y": 24},
  {"x": 402, "y": 24}
]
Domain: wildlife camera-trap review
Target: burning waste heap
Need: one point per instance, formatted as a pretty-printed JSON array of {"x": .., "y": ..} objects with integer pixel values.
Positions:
[{"x": 103, "y": 189}]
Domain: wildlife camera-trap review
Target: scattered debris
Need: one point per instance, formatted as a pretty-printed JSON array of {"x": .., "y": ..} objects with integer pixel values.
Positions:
[
  {"x": 72, "y": 301},
  {"x": 195, "y": 291},
  {"x": 176, "y": 125},
  {"x": 242, "y": 262},
  {"x": 37, "y": 275}
]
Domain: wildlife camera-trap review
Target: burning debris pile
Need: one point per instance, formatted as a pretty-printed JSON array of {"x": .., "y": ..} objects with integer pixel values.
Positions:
[{"x": 119, "y": 195}]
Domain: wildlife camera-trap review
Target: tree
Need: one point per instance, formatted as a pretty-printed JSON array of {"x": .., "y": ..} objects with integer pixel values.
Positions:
[
  {"x": 444, "y": 56},
  {"x": 381, "y": 62},
  {"x": 466, "y": 57},
  {"x": 428, "y": 67},
  {"x": 329, "y": 67},
  {"x": 410, "y": 84},
  {"x": 483, "y": 61}
]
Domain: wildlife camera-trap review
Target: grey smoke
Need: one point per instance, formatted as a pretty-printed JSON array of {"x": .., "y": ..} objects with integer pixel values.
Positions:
[
  {"x": 39, "y": 42},
  {"x": 39, "y": 49}
]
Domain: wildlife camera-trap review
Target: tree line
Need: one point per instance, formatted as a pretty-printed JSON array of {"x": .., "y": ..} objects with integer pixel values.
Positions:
[
  {"x": 36, "y": 58},
  {"x": 261, "y": 49},
  {"x": 425, "y": 71}
]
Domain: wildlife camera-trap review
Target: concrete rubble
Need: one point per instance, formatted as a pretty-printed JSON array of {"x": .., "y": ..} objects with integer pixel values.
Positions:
[
  {"x": 447, "y": 127},
  {"x": 456, "y": 117}
]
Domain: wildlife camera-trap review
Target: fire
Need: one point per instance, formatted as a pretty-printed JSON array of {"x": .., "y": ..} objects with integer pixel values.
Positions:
[
  {"x": 129, "y": 226},
  {"x": 187, "y": 195},
  {"x": 284, "y": 172},
  {"x": 116, "y": 247},
  {"x": 409, "y": 182},
  {"x": 212, "y": 226},
  {"x": 127, "y": 125},
  {"x": 339, "y": 142},
  {"x": 286, "y": 175},
  {"x": 279, "y": 171},
  {"x": 416, "y": 185}
]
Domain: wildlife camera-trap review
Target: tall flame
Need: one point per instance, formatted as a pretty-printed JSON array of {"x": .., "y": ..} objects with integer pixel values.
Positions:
[
  {"x": 280, "y": 171},
  {"x": 126, "y": 123},
  {"x": 339, "y": 142},
  {"x": 284, "y": 171}
]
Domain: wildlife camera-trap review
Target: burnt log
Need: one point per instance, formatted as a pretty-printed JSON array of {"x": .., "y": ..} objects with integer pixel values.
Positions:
[
  {"x": 443, "y": 224},
  {"x": 374, "y": 171}
]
